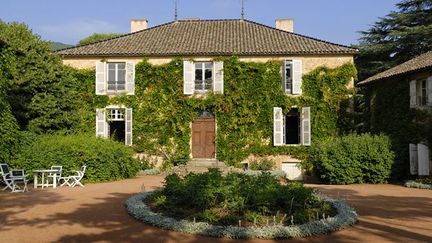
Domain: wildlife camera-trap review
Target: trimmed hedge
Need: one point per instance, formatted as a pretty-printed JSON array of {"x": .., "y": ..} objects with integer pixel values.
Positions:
[
  {"x": 352, "y": 159},
  {"x": 106, "y": 160}
]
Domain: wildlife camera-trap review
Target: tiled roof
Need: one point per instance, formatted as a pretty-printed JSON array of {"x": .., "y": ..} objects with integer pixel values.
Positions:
[
  {"x": 208, "y": 37},
  {"x": 419, "y": 63}
]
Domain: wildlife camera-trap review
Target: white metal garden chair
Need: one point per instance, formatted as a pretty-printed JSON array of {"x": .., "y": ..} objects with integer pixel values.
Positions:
[
  {"x": 57, "y": 174},
  {"x": 74, "y": 180},
  {"x": 18, "y": 177},
  {"x": 5, "y": 173}
]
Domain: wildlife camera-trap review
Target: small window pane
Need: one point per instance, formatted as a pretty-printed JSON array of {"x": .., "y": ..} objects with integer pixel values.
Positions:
[
  {"x": 208, "y": 65},
  {"x": 111, "y": 66},
  {"x": 111, "y": 75},
  {"x": 198, "y": 74},
  {"x": 208, "y": 74},
  {"x": 121, "y": 76},
  {"x": 121, "y": 65},
  {"x": 198, "y": 65}
]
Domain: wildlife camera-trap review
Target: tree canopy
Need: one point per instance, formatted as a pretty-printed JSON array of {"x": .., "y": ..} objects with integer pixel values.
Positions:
[
  {"x": 98, "y": 37},
  {"x": 36, "y": 87},
  {"x": 396, "y": 38}
]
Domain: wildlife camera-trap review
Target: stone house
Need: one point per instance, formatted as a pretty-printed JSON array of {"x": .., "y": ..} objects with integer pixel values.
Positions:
[
  {"x": 400, "y": 99},
  {"x": 200, "y": 43}
]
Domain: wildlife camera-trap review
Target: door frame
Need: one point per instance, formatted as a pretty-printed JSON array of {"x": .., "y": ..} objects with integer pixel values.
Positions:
[{"x": 191, "y": 135}]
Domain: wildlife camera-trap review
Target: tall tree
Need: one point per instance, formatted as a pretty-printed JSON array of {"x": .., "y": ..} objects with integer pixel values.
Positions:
[
  {"x": 40, "y": 90},
  {"x": 396, "y": 38}
]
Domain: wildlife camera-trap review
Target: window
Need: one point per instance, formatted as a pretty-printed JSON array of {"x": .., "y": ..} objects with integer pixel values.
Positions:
[
  {"x": 115, "y": 123},
  {"x": 292, "y": 73},
  {"x": 203, "y": 76},
  {"x": 293, "y": 128},
  {"x": 422, "y": 97},
  {"x": 288, "y": 77},
  {"x": 116, "y": 76}
]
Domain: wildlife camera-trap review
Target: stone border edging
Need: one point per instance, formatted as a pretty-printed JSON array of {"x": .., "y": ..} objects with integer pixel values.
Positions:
[
  {"x": 414, "y": 184},
  {"x": 345, "y": 217}
]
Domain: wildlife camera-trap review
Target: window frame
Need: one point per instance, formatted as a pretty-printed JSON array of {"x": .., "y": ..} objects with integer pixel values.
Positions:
[
  {"x": 203, "y": 81},
  {"x": 116, "y": 75},
  {"x": 285, "y": 84}
]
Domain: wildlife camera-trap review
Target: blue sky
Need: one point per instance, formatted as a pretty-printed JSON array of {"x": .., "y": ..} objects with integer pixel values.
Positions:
[{"x": 69, "y": 21}]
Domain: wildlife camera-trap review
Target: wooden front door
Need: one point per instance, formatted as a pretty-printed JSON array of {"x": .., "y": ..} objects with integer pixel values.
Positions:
[{"x": 203, "y": 138}]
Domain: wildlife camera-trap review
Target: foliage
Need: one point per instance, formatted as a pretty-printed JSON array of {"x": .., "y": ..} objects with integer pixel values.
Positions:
[
  {"x": 225, "y": 200},
  {"x": 98, "y": 37},
  {"x": 419, "y": 184},
  {"x": 106, "y": 160},
  {"x": 39, "y": 89},
  {"x": 163, "y": 114},
  {"x": 396, "y": 38},
  {"x": 345, "y": 217},
  {"x": 393, "y": 117},
  {"x": 352, "y": 159},
  {"x": 263, "y": 164}
]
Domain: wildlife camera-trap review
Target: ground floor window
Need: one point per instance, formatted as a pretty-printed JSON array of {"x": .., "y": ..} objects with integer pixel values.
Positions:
[
  {"x": 115, "y": 123},
  {"x": 291, "y": 128}
]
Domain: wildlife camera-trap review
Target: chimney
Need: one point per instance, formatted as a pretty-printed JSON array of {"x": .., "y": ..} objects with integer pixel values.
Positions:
[
  {"x": 285, "y": 25},
  {"x": 138, "y": 24}
]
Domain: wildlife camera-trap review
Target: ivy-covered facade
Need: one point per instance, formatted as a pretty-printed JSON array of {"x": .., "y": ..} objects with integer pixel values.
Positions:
[
  {"x": 226, "y": 106},
  {"x": 399, "y": 104}
]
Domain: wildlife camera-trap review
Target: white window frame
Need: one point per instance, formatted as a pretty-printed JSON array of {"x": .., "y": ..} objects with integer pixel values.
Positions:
[
  {"x": 116, "y": 69},
  {"x": 277, "y": 130},
  {"x": 114, "y": 113},
  {"x": 285, "y": 81},
  {"x": 203, "y": 81}
]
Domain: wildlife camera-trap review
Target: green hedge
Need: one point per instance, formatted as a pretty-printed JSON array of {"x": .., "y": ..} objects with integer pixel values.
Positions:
[
  {"x": 352, "y": 159},
  {"x": 106, "y": 160}
]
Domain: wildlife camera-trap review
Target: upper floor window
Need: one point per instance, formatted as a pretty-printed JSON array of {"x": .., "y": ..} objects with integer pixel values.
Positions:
[
  {"x": 421, "y": 93},
  {"x": 203, "y": 76},
  {"x": 292, "y": 72},
  {"x": 116, "y": 80},
  {"x": 288, "y": 76}
]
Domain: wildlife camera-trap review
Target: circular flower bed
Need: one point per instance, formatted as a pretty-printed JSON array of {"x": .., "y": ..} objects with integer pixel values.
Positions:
[{"x": 345, "y": 217}]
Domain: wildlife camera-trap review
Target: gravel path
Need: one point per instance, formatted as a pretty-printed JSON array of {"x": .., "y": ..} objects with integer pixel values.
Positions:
[{"x": 388, "y": 213}]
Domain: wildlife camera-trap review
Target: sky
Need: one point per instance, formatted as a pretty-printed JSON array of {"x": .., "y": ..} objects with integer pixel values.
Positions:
[{"x": 69, "y": 21}]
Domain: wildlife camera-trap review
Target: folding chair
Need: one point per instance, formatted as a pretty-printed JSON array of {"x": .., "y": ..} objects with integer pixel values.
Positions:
[
  {"x": 76, "y": 179},
  {"x": 18, "y": 176},
  {"x": 5, "y": 173}
]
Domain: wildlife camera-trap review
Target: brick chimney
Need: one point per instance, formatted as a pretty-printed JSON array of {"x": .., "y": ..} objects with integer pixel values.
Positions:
[
  {"x": 138, "y": 24},
  {"x": 285, "y": 25}
]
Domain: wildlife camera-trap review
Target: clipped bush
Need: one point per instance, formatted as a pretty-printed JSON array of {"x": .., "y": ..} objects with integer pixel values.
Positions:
[
  {"x": 351, "y": 159},
  {"x": 263, "y": 164},
  {"x": 106, "y": 160}
]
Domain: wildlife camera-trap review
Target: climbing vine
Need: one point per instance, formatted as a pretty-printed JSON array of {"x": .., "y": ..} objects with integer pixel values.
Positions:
[{"x": 162, "y": 114}]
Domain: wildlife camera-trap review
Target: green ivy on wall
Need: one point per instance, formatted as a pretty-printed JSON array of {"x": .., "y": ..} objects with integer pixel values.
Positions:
[
  {"x": 162, "y": 114},
  {"x": 389, "y": 113}
]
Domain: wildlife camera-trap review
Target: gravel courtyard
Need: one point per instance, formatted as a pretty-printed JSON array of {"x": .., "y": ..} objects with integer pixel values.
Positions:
[{"x": 388, "y": 213}]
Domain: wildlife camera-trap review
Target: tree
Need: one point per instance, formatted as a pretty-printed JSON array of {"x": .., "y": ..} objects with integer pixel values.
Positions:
[
  {"x": 40, "y": 90},
  {"x": 97, "y": 37},
  {"x": 396, "y": 38}
]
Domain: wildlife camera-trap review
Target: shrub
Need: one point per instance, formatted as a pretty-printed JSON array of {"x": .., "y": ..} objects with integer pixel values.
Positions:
[
  {"x": 353, "y": 158},
  {"x": 225, "y": 200},
  {"x": 106, "y": 160},
  {"x": 264, "y": 164}
]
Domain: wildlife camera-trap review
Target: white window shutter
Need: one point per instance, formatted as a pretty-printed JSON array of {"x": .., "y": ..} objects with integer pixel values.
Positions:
[
  {"x": 413, "y": 95},
  {"x": 218, "y": 80},
  {"x": 423, "y": 160},
  {"x": 188, "y": 77},
  {"x": 297, "y": 77},
  {"x": 429, "y": 91},
  {"x": 130, "y": 78},
  {"x": 100, "y": 78},
  {"x": 128, "y": 127},
  {"x": 305, "y": 126},
  {"x": 277, "y": 126},
  {"x": 101, "y": 124},
  {"x": 413, "y": 154}
]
